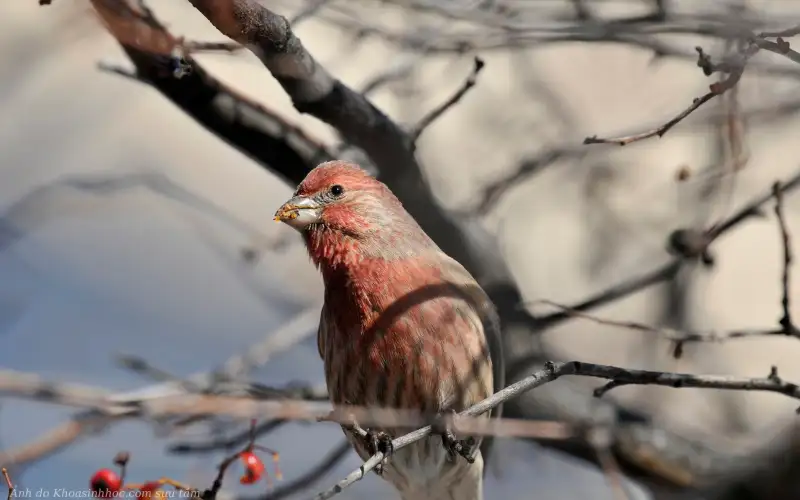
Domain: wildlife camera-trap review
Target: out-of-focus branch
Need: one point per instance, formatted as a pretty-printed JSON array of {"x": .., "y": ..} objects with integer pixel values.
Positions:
[
  {"x": 691, "y": 244},
  {"x": 431, "y": 117},
  {"x": 525, "y": 169},
  {"x": 316, "y": 92},
  {"x": 235, "y": 118},
  {"x": 669, "y": 333},
  {"x": 227, "y": 443},
  {"x": 109, "y": 408},
  {"x": 716, "y": 89},
  {"x": 313, "y": 476},
  {"x": 57, "y": 438},
  {"x": 786, "y": 321},
  {"x": 734, "y": 68},
  {"x": 16, "y": 384},
  {"x": 9, "y": 484}
]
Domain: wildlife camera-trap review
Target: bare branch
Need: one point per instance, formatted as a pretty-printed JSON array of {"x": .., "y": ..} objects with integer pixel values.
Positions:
[
  {"x": 113, "y": 407},
  {"x": 662, "y": 129},
  {"x": 668, "y": 333},
  {"x": 314, "y": 474},
  {"x": 35, "y": 387},
  {"x": 552, "y": 371},
  {"x": 526, "y": 168},
  {"x": 247, "y": 407},
  {"x": 716, "y": 89},
  {"x": 9, "y": 484},
  {"x": 786, "y": 320},
  {"x": 632, "y": 285},
  {"x": 735, "y": 69},
  {"x": 234, "y": 441},
  {"x": 259, "y": 132},
  {"x": 313, "y": 7},
  {"x": 611, "y": 469},
  {"x": 61, "y": 436},
  {"x": 434, "y": 114}
]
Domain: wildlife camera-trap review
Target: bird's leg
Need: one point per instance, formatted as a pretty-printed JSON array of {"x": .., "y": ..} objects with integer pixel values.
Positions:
[
  {"x": 374, "y": 441},
  {"x": 454, "y": 446},
  {"x": 379, "y": 441}
]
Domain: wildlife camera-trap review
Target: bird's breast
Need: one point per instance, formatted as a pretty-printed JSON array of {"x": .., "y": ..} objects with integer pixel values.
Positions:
[{"x": 422, "y": 349}]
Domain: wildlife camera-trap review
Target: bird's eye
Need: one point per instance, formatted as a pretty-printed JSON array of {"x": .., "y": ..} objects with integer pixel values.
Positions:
[{"x": 337, "y": 190}]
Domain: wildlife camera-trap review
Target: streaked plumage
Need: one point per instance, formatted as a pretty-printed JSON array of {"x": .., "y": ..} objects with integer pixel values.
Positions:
[{"x": 402, "y": 325}]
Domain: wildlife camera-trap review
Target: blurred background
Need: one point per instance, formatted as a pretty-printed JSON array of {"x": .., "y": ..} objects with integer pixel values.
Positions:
[{"x": 128, "y": 229}]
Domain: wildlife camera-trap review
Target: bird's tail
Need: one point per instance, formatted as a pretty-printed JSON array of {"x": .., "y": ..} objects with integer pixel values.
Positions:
[{"x": 467, "y": 486}]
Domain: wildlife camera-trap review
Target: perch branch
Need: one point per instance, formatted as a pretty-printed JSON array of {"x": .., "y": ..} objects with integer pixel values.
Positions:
[{"x": 617, "y": 377}]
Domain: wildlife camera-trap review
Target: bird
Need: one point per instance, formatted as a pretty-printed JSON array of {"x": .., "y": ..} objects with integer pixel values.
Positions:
[{"x": 403, "y": 325}]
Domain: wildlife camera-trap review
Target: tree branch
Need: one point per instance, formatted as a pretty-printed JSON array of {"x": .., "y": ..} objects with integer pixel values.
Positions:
[
  {"x": 786, "y": 322},
  {"x": 434, "y": 114},
  {"x": 735, "y": 70},
  {"x": 617, "y": 377}
]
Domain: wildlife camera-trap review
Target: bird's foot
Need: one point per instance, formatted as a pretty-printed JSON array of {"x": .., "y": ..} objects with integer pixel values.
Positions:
[
  {"x": 454, "y": 446},
  {"x": 379, "y": 441}
]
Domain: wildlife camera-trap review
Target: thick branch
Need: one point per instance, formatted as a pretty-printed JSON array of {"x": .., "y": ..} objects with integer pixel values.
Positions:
[
  {"x": 235, "y": 118},
  {"x": 314, "y": 91}
]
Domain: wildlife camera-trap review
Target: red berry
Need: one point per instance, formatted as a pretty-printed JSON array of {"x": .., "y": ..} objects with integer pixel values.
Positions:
[
  {"x": 253, "y": 467},
  {"x": 105, "y": 483},
  {"x": 148, "y": 489}
]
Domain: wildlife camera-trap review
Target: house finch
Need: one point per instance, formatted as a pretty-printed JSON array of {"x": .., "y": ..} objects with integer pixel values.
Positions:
[{"x": 403, "y": 324}]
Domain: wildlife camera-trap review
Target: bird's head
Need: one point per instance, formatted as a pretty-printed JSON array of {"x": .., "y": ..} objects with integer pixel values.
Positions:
[
  {"x": 339, "y": 205},
  {"x": 339, "y": 196}
]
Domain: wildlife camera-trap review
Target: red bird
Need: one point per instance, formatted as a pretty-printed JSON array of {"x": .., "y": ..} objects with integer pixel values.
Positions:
[{"x": 403, "y": 324}]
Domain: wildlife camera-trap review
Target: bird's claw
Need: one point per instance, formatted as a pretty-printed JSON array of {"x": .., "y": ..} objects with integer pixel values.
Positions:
[
  {"x": 453, "y": 445},
  {"x": 379, "y": 441}
]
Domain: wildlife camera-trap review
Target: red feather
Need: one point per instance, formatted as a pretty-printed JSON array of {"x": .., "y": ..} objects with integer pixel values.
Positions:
[{"x": 402, "y": 325}]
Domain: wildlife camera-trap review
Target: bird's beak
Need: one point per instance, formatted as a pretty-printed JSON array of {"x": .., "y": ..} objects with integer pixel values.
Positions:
[{"x": 299, "y": 212}]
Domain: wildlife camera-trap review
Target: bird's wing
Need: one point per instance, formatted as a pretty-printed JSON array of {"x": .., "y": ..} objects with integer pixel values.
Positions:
[
  {"x": 490, "y": 320},
  {"x": 322, "y": 333}
]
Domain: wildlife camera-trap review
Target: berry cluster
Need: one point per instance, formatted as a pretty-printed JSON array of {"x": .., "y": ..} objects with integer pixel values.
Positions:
[{"x": 107, "y": 483}]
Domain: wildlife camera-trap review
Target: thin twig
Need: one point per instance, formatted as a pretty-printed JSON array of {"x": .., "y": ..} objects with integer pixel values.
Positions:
[
  {"x": 786, "y": 320},
  {"x": 313, "y": 475},
  {"x": 9, "y": 484},
  {"x": 144, "y": 368},
  {"x": 431, "y": 117},
  {"x": 716, "y": 89},
  {"x": 666, "y": 271},
  {"x": 612, "y": 472},
  {"x": 308, "y": 12},
  {"x": 119, "y": 70},
  {"x": 225, "y": 443},
  {"x": 197, "y": 46},
  {"x": 668, "y": 333},
  {"x": 735, "y": 71}
]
